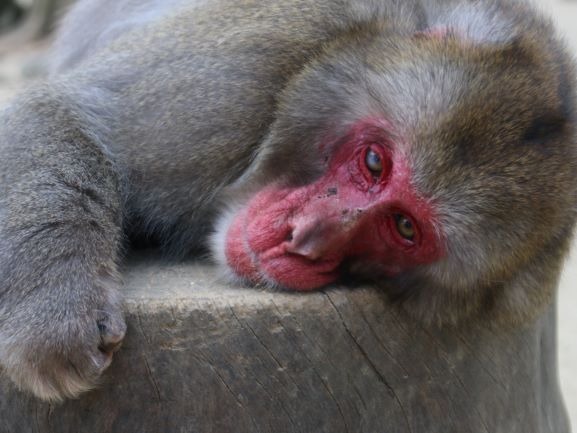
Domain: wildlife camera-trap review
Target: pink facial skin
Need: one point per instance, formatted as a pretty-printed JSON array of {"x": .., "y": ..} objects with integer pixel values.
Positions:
[{"x": 299, "y": 237}]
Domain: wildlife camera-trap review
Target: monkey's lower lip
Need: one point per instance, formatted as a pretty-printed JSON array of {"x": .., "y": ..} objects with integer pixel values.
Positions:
[{"x": 298, "y": 273}]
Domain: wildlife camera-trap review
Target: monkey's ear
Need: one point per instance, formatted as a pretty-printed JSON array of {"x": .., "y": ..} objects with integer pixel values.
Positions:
[
  {"x": 545, "y": 127},
  {"x": 519, "y": 52}
]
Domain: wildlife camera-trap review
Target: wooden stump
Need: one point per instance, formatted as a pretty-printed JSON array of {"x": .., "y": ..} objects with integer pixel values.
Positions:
[{"x": 203, "y": 357}]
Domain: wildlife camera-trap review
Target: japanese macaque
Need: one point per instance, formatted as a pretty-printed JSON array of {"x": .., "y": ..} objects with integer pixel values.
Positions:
[{"x": 427, "y": 145}]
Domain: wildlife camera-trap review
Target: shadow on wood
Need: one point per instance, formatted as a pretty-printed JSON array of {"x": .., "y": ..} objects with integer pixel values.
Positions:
[{"x": 203, "y": 357}]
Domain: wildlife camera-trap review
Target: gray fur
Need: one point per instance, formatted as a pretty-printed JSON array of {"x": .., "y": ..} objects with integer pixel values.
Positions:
[{"x": 157, "y": 110}]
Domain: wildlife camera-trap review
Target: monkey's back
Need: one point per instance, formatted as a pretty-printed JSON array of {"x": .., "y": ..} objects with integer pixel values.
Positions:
[{"x": 183, "y": 93}]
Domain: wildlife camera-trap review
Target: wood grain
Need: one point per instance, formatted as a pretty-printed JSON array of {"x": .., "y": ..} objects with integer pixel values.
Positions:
[{"x": 203, "y": 357}]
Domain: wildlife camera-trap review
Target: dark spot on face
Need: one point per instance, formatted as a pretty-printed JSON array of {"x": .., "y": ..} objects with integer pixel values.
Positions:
[{"x": 332, "y": 191}]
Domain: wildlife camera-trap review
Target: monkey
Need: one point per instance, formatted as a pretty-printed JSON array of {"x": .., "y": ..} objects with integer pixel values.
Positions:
[{"x": 425, "y": 145}]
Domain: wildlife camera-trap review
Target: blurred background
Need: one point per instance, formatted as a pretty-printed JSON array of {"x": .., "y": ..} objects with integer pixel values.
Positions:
[
  {"x": 25, "y": 32},
  {"x": 564, "y": 13}
]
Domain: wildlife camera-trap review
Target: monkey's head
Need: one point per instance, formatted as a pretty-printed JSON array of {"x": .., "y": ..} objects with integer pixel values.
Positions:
[{"x": 441, "y": 163}]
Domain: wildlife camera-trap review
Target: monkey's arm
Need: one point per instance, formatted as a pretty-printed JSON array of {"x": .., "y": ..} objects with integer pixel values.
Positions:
[{"x": 60, "y": 317}]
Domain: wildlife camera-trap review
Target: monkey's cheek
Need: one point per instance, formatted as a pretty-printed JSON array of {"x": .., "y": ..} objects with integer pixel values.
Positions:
[{"x": 238, "y": 255}]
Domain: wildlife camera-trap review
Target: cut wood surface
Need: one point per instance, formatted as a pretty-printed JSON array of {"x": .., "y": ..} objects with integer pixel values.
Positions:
[{"x": 201, "y": 356}]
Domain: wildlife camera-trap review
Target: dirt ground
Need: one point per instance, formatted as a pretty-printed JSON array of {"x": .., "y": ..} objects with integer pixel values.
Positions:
[{"x": 23, "y": 62}]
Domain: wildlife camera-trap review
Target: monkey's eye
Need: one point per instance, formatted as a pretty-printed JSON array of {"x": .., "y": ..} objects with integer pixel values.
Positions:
[
  {"x": 404, "y": 227},
  {"x": 374, "y": 162}
]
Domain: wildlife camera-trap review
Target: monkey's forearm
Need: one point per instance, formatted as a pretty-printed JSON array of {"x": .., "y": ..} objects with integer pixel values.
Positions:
[
  {"x": 55, "y": 179},
  {"x": 59, "y": 240}
]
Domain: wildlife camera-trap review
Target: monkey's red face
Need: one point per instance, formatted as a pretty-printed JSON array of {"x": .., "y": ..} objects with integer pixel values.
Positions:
[{"x": 363, "y": 208}]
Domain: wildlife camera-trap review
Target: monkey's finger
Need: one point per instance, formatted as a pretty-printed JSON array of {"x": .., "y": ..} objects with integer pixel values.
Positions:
[{"x": 112, "y": 330}]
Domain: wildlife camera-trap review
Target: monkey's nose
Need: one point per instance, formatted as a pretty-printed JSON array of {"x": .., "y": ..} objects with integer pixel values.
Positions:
[
  {"x": 310, "y": 250},
  {"x": 316, "y": 240},
  {"x": 305, "y": 242}
]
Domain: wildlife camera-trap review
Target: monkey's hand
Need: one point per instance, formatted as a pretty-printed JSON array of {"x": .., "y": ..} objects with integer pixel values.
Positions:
[{"x": 58, "y": 338}]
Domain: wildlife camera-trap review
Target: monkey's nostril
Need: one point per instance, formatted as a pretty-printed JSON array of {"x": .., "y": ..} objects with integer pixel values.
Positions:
[{"x": 308, "y": 241}]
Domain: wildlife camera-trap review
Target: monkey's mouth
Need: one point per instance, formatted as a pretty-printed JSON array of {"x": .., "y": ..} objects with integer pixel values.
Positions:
[{"x": 275, "y": 266}]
